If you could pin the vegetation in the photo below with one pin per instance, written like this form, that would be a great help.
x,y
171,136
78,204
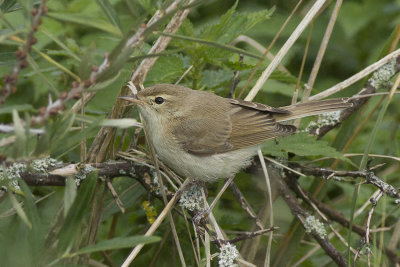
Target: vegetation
x,y
79,186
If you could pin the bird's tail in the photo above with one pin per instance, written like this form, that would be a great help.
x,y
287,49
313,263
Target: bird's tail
x,y
311,108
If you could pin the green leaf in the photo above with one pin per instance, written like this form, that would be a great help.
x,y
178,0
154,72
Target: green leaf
x,y
7,5
61,44
38,71
214,32
21,213
86,21
117,243
101,85
9,109
85,68
214,78
110,12
167,70
6,58
37,232
232,24
55,132
301,144
215,44
70,193
186,28
77,212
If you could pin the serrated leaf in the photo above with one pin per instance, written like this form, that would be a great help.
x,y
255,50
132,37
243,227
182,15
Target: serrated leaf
x,y
301,144
214,31
233,23
214,78
186,28
222,50
167,70
117,243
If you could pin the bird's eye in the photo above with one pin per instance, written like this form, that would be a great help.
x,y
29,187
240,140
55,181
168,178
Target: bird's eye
x,y
159,100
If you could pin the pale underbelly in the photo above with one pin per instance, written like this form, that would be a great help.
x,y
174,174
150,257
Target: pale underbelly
x,y
208,168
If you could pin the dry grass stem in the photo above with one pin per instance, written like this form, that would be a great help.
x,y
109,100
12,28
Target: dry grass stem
x,y
115,196
256,45
321,51
269,47
285,48
224,187
356,77
271,215
284,166
303,62
154,226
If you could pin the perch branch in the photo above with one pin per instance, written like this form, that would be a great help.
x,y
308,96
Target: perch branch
x,y
301,214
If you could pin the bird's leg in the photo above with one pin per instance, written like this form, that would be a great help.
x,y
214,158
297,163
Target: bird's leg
x,y
204,214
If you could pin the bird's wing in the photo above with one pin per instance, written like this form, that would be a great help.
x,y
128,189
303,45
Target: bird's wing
x,y
240,124
252,126
258,106
204,136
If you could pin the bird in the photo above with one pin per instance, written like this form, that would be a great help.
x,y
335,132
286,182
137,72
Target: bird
x,y
206,137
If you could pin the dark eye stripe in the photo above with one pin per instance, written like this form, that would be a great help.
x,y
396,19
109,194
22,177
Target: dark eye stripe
x,y
159,100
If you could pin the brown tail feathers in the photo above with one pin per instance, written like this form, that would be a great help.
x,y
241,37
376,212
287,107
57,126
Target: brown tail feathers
x,y
311,108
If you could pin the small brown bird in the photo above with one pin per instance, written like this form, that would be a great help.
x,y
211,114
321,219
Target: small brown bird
x,y
203,136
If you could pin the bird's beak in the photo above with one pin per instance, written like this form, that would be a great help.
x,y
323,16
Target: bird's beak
x,y
132,99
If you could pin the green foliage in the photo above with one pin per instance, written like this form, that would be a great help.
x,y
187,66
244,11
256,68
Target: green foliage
x,y
116,243
78,210
301,144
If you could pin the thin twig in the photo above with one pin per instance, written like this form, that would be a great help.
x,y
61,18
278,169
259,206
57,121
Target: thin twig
x,y
115,196
245,205
369,177
252,234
